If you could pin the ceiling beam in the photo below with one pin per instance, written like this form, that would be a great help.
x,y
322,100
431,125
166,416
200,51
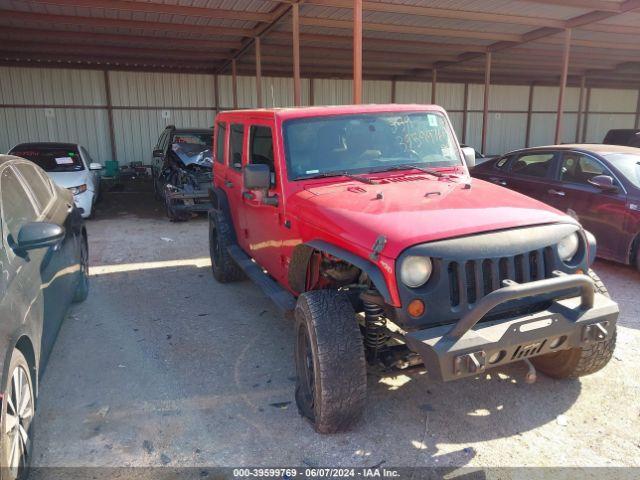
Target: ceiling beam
x,y
373,42
130,41
545,32
407,29
604,5
161,9
101,60
83,21
90,50
432,12
277,14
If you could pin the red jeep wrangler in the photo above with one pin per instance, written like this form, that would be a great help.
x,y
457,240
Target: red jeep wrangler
x,y
364,221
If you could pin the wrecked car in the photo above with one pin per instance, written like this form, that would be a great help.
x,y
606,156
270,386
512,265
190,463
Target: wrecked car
x,y
363,223
181,171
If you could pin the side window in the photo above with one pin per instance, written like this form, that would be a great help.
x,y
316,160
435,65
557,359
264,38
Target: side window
x,y
577,168
40,189
533,165
220,136
261,148
165,141
501,162
17,208
236,137
163,135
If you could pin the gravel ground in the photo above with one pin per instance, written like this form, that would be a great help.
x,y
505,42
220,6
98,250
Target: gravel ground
x,y
163,366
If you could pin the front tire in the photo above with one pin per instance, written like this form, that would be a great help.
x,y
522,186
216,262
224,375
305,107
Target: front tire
x,y
330,363
82,289
18,409
577,362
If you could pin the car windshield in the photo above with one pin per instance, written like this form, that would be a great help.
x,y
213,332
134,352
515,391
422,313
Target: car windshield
x,y
368,142
55,159
628,164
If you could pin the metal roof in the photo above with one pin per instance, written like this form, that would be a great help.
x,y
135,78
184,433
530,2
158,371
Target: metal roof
x,y
403,39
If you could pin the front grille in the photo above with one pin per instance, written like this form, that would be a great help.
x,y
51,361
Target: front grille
x,y
471,280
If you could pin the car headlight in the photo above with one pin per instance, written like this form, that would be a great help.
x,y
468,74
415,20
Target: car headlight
x,y
568,247
415,271
79,189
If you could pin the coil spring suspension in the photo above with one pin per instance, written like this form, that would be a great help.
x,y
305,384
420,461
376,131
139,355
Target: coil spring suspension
x,y
374,322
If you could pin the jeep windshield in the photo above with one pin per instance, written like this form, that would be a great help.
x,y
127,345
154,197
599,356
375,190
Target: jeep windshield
x,y
367,143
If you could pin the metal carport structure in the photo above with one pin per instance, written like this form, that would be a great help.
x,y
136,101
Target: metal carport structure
x,y
476,45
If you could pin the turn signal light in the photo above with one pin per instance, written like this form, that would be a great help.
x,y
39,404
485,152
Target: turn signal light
x,y
416,308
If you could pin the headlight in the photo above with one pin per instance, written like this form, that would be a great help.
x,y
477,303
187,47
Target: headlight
x,y
568,247
415,271
79,189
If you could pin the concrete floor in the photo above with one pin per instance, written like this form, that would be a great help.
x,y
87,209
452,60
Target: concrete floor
x,y
163,366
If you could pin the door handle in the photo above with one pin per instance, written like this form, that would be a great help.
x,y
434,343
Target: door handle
x,y
228,184
248,195
559,193
499,181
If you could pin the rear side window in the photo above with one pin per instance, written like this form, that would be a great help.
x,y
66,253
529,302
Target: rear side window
x,y
533,165
220,136
38,185
54,159
17,208
261,148
236,137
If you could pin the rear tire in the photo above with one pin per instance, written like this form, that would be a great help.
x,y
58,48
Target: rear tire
x,y
577,362
18,410
224,268
330,363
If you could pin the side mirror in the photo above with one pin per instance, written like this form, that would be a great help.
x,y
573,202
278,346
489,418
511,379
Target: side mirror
x,y
604,183
158,153
95,166
256,176
34,235
469,156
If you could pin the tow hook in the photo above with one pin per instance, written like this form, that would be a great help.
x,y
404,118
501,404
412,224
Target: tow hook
x,y
473,362
531,375
596,332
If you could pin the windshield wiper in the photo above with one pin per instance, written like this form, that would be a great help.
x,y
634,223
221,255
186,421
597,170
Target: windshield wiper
x,y
368,181
435,173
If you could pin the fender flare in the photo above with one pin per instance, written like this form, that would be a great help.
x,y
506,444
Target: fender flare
x,y
220,205
372,270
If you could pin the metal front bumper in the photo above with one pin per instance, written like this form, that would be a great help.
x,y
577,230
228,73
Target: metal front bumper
x,y
466,349
197,200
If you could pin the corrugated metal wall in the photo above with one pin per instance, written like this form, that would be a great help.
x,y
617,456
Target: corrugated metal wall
x,y
70,105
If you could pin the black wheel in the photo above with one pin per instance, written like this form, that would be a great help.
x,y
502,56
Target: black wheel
x,y
82,289
637,259
577,362
18,409
330,365
173,214
157,192
224,268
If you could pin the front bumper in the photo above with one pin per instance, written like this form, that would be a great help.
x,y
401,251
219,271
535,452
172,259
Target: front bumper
x,y
469,348
85,201
193,200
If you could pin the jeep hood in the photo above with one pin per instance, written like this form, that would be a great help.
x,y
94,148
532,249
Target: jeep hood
x,y
408,210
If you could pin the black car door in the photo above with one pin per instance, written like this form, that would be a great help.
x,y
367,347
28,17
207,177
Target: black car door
x,y
60,265
22,303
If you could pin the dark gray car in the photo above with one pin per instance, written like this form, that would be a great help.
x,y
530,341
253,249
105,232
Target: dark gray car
x,y
43,258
